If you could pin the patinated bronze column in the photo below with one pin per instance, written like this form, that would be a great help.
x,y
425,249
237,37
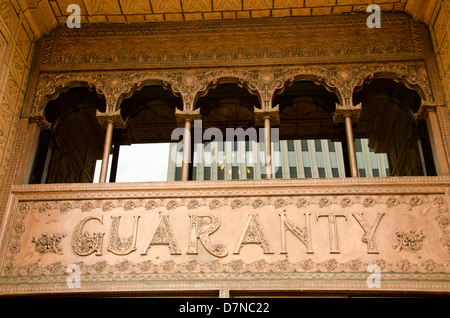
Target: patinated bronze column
x,y
267,117
349,115
267,147
351,144
108,121
35,126
185,119
428,112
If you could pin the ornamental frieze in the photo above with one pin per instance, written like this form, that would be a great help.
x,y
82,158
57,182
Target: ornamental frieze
x,y
232,43
141,235
206,238
190,85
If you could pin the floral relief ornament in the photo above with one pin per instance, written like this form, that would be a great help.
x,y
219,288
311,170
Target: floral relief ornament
x,y
409,241
47,243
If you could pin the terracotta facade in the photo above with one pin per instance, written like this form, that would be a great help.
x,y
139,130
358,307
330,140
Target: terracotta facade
x,y
229,236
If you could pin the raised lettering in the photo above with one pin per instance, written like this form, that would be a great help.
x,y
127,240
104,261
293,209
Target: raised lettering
x,y
369,232
302,233
332,226
118,245
163,236
83,243
254,234
200,228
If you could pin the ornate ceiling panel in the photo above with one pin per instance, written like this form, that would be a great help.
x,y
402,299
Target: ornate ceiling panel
x,y
130,11
45,15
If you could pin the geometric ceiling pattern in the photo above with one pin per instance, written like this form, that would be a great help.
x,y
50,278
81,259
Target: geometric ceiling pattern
x,y
123,11
46,14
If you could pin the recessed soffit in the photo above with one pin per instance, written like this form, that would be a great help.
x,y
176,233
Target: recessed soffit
x,y
45,15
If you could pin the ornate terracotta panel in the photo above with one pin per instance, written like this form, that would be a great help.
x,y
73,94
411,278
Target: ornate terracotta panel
x,y
256,235
251,235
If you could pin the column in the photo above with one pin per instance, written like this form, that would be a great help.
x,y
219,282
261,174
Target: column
x,y
109,121
428,112
186,119
267,147
267,117
35,125
349,115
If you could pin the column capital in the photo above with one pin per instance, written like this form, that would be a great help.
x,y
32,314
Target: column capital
x,y
42,122
425,108
183,115
114,117
261,114
348,110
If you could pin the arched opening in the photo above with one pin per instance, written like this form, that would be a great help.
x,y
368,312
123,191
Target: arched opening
x,y
311,145
225,143
141,151
388,124
68,151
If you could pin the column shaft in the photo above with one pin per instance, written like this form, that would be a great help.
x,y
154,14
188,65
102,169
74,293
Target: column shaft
x,y
106,150
186,150
351,145
268,147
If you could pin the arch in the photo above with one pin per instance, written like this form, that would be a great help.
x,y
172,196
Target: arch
x,y
67,151
306,110
320,77
136,85
226,78
410,78
71,100
51,88
388,120
145,97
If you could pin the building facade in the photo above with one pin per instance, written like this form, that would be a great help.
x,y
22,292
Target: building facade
x,y
298,148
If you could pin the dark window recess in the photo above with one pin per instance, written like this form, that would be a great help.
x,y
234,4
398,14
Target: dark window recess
x,y
177,173
221,173
318,145
250,173
290,145
207,173
335,172
321,172
362,172
304,145
331,146
279,173
308,173
235,173
293,172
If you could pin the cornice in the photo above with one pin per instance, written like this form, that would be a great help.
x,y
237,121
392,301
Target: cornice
x,y
231,188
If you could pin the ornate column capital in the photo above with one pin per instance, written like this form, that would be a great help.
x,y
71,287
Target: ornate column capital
x,y
425,108
348,110
114,117
183,115
42,122
261,114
